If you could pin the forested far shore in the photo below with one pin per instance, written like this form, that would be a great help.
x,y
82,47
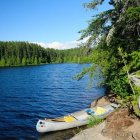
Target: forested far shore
x,y
14,53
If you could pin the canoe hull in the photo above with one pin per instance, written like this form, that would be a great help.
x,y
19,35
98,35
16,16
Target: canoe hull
x,y
82,119
56,126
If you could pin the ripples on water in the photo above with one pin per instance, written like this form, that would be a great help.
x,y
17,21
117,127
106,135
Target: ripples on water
x,y
30,93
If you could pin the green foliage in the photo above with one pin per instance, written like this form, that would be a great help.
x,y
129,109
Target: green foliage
x,y
130,100
84,71
135,101
94,121
138,73
134,64
93,4
116,28
21,53
24,53
132,15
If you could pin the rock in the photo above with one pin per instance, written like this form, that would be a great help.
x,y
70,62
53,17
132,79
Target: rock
x,y
123,136
100,102
105,100
94,103
93,133
136,136
116,122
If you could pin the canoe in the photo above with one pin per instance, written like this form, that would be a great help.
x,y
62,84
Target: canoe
x,y
75,119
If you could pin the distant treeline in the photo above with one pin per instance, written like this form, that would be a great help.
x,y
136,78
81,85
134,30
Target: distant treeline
x,y
25,53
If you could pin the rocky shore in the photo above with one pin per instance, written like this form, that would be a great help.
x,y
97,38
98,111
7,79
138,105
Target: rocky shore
x,y
119,125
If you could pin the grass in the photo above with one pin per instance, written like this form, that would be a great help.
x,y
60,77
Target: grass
x,y
94,121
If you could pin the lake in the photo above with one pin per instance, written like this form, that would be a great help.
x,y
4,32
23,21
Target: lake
x,y
33,92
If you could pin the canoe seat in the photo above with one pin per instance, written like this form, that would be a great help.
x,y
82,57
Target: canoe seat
x,y
100,111
69,118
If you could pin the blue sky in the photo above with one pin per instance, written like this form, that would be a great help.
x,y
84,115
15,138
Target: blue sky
x,y
48,22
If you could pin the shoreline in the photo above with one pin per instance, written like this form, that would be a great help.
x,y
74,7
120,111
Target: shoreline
x,y
119,125
95,131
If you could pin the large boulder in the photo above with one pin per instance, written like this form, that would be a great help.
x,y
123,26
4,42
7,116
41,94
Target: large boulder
x,y
100,102
116,122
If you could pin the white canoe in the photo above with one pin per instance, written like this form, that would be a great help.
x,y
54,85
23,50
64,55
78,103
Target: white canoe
x,y
81,118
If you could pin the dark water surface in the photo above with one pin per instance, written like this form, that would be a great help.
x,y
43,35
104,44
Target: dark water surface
x,y
30,93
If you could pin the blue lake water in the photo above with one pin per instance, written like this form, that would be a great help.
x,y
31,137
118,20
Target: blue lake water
x,y
30,93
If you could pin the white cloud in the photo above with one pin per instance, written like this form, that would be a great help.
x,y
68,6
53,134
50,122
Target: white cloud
x,y
41,44
55,45
58,45
62,45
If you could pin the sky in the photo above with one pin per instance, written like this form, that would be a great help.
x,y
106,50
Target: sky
x,y
50,23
